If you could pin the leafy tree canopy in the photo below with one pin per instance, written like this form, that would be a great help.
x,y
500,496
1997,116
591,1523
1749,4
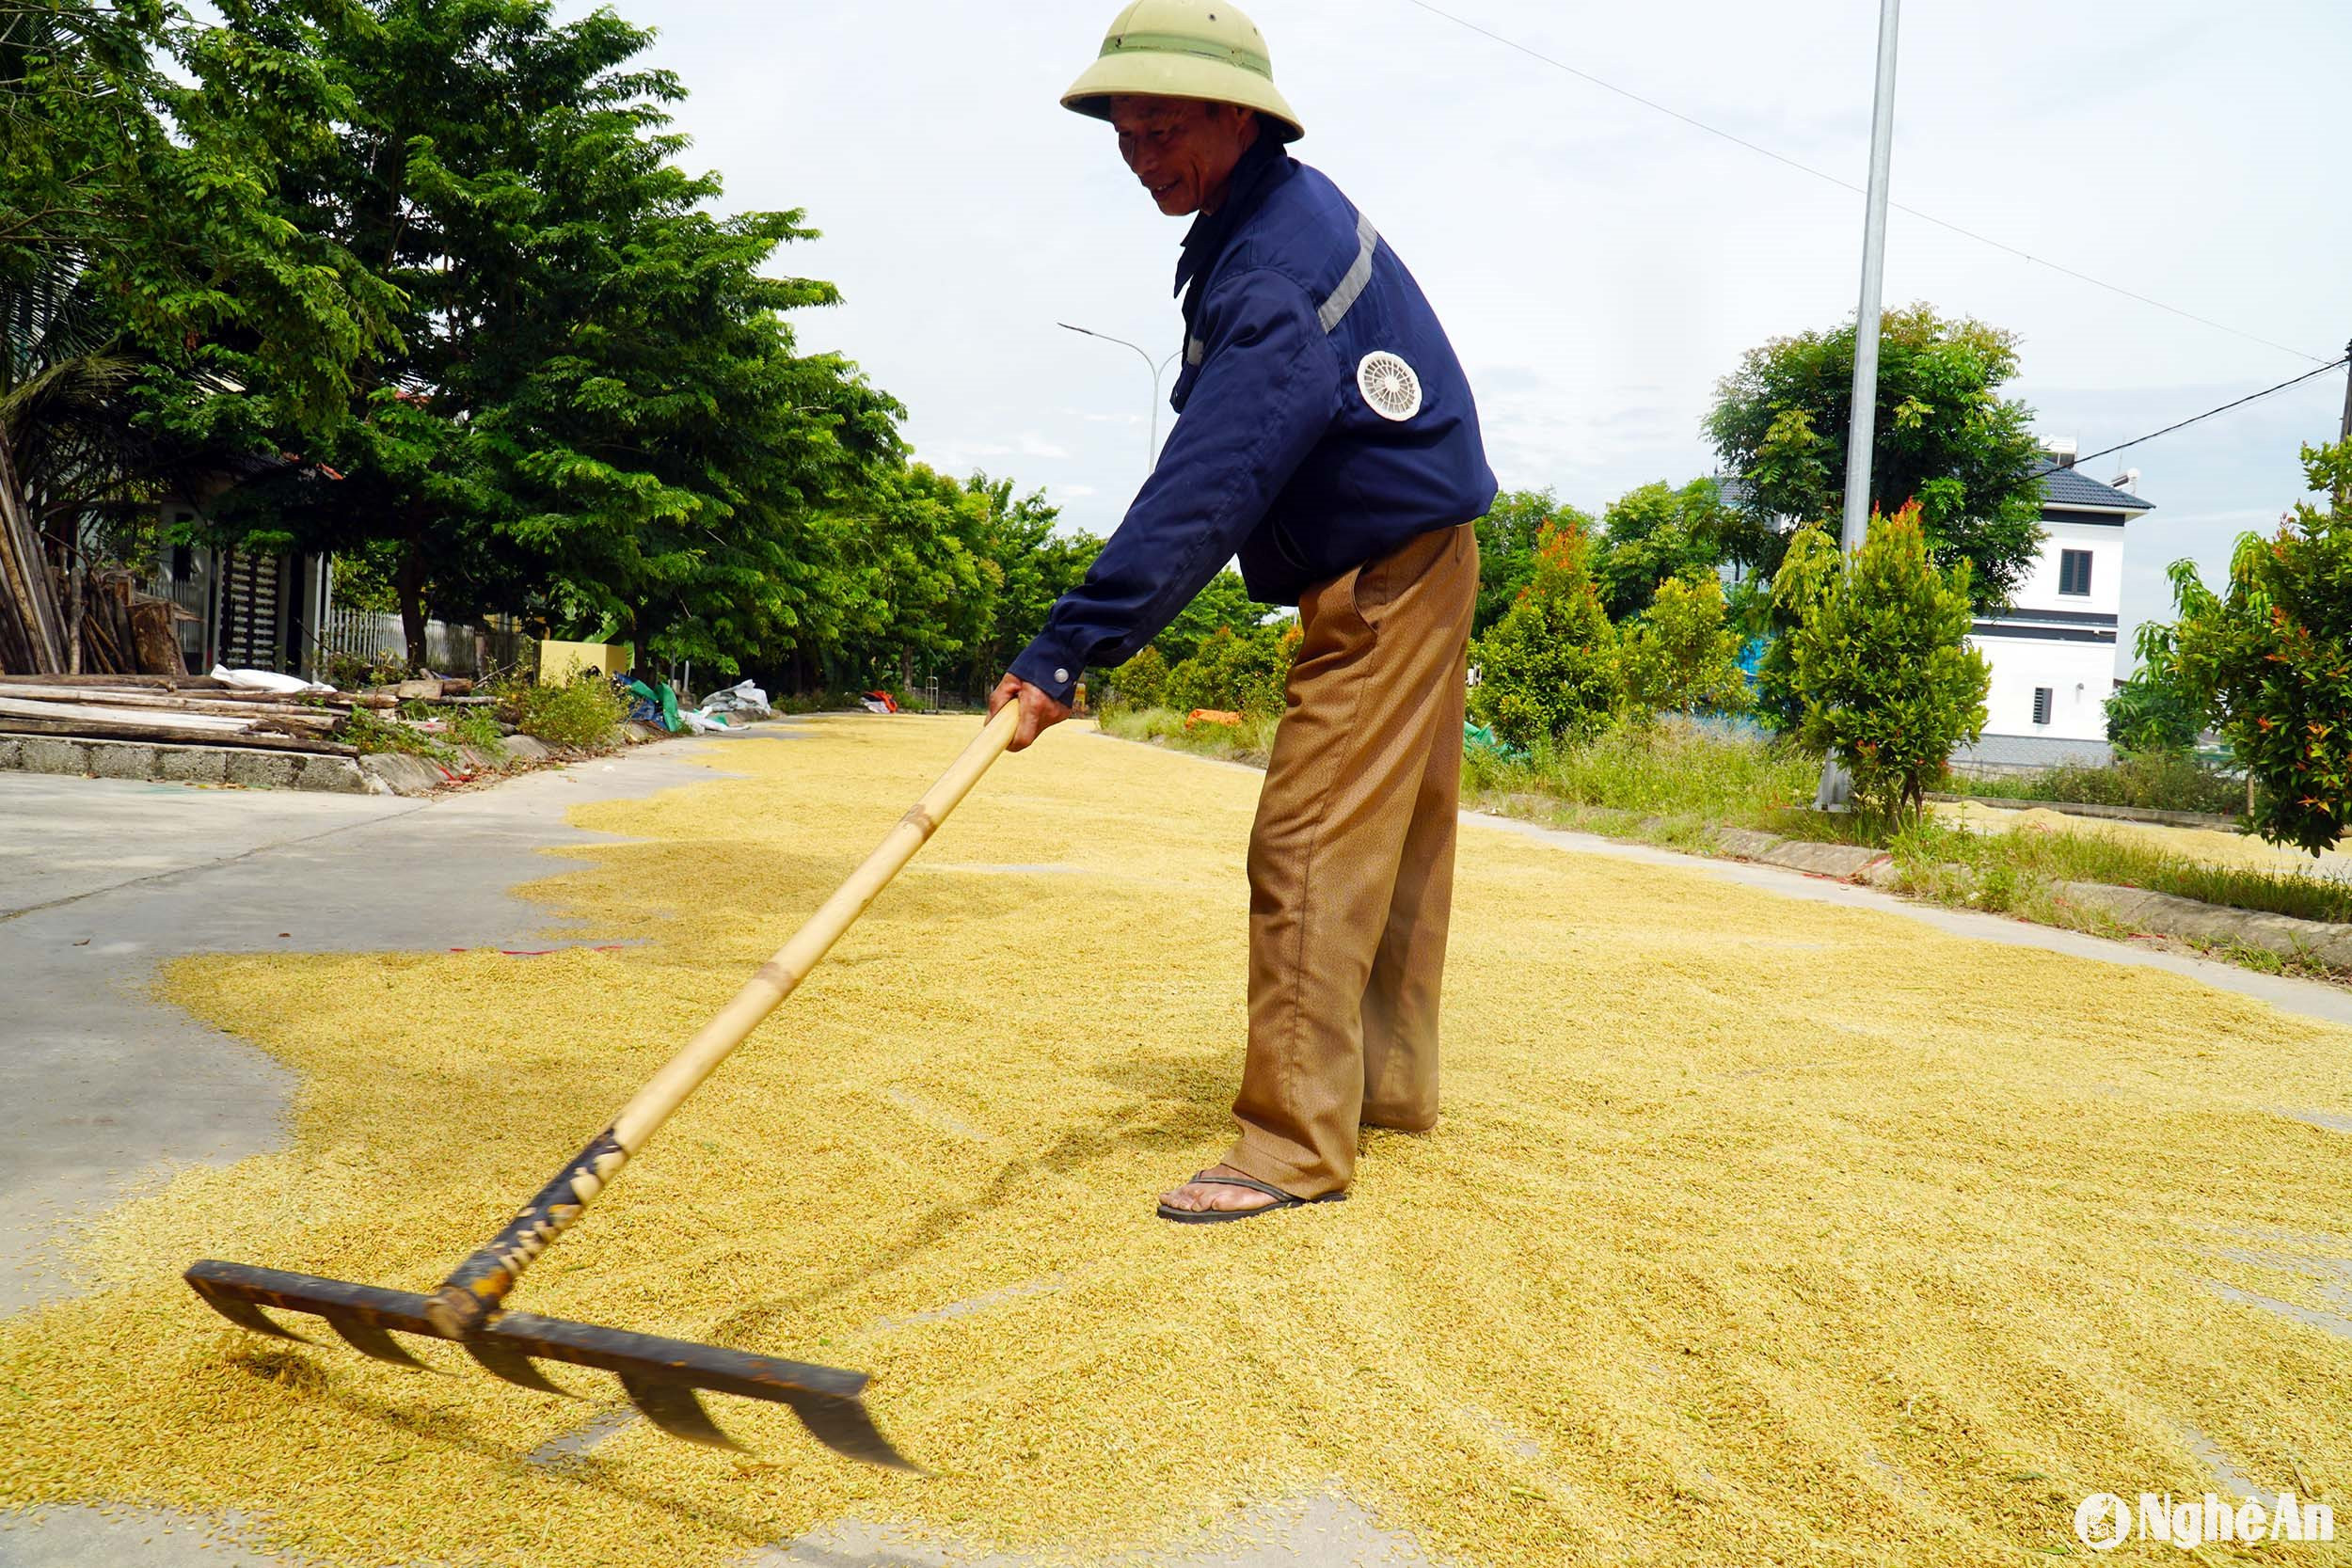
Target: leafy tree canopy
x,y
1223,604
2274,656
1943,437
1507,536
1655,533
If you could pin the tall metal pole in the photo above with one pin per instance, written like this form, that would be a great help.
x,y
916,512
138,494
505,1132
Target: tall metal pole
x,y
1151,439
2344,493
1837,789
1865,338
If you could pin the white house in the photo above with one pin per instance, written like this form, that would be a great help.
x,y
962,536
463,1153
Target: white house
x,y
2052,649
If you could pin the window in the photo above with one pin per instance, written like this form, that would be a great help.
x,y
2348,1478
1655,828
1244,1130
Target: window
x,y
2073,571
2041,698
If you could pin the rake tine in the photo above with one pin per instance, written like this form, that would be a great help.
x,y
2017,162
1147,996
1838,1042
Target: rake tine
x,y
514,1367
367,1339
846,1427
246,1315
674,1409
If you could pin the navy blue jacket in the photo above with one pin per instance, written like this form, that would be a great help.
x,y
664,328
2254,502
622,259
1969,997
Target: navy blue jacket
x,y
1324,422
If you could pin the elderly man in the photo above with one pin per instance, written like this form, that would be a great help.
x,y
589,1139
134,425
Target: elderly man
x,y
1327,437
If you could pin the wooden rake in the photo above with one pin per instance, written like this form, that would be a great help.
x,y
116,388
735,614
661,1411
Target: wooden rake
x,y
664,1378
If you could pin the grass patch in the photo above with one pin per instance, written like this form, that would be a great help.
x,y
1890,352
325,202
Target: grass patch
x,y
2004,870
2144,783
1250,741
372,734
1676,768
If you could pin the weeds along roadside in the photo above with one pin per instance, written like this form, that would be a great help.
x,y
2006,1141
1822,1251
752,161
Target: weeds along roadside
x,y
576,715
1673,784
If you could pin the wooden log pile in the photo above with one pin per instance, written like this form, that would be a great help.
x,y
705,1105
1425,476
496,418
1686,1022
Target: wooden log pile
x,y
103,626
181,709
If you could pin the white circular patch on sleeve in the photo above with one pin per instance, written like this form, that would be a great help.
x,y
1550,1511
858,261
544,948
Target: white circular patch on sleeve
x,y
1389,384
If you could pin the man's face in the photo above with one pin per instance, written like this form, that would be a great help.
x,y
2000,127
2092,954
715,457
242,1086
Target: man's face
x,y
1182,149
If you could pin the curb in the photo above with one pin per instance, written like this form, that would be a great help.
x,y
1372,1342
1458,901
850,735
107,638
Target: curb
x,y
378,773
2169,916
66,756
1847,863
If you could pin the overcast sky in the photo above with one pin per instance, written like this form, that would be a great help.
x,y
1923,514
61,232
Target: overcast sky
x,y
1599,265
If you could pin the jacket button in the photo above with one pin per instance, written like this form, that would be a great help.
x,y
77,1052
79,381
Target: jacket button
x,y
1061,675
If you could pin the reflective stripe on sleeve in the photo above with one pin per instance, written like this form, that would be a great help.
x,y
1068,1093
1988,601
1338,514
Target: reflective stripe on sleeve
x,y
1356,277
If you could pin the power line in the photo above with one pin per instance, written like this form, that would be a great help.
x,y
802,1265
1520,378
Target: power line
x,y
2308,375
1803,168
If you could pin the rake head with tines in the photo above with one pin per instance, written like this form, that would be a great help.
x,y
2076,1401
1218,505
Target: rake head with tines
x,y
664,1378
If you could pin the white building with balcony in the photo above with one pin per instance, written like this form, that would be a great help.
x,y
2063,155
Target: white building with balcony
x,y
2052,649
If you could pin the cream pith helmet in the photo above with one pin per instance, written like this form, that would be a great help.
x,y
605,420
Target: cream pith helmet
x,y
1204,49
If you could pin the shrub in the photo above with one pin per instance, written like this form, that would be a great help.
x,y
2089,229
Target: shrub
x,y
1880,664
1242,672
1680,654
2275,656
580,713
1548,669
1805,576
1140,682
2159,710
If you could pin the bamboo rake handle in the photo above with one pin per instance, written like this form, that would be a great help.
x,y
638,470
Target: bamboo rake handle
x,y
476,1286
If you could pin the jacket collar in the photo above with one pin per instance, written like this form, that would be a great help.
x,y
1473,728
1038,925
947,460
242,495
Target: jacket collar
x,y
1204,242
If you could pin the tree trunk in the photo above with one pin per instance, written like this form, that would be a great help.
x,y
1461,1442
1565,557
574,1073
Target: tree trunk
x,y
408,582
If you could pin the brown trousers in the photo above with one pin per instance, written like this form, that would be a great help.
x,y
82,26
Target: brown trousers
x,y
1351,866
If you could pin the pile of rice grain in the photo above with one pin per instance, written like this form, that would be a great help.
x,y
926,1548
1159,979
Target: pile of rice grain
x,y
1756,1230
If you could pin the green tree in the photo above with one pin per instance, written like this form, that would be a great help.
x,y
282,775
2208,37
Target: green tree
x,y
1943,436
1881,661
1548,669
596,402
160,320
1655,532
2157,711
1030,564
2274,655
1681,654
1142,681
1508,538
1806,575
1238,671
1223,604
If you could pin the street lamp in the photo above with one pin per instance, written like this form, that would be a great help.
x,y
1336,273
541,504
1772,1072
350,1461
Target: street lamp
x,y
1151,447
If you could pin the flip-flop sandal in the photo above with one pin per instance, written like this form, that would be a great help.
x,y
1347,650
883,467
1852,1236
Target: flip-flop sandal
x,y
1218,1216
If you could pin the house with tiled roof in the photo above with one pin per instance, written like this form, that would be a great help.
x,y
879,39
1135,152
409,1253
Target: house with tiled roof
x,y
2053,648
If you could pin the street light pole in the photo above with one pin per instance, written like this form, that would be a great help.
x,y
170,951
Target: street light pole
x,y
1836,788
1860,431
1152,440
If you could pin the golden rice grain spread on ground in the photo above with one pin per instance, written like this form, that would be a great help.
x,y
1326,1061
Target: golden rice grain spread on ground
x,y
1756,1231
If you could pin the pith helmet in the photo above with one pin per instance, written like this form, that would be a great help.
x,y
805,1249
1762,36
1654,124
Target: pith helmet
x,y
1204,49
